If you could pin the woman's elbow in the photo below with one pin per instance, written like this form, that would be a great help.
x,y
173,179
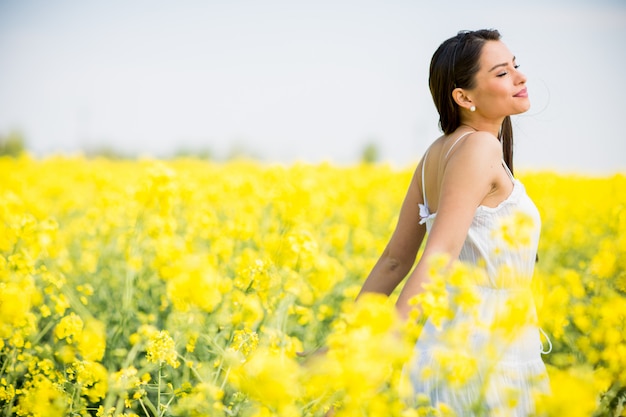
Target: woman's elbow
x,y
397,264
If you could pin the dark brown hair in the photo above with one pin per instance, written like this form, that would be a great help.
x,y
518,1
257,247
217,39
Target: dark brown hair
x,y
454,65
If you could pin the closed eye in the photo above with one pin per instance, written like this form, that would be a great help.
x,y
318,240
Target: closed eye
x,y
503,73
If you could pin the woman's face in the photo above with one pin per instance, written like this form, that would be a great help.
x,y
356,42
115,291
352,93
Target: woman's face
x,y
500,88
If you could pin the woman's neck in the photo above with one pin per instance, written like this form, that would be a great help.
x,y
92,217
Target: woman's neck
x,y
477,124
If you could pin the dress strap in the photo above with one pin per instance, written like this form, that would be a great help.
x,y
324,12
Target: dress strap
x,y
424,164
506,167
423,183
544,352
457,141
508,171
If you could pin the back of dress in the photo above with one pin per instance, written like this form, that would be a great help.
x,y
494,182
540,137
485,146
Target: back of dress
x,y
497,342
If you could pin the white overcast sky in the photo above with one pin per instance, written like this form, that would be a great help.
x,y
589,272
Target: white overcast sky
x,y
295,80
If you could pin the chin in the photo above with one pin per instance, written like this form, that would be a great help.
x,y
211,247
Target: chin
x,y
522,109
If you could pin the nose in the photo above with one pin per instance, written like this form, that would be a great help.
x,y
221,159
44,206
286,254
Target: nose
x,y
521,78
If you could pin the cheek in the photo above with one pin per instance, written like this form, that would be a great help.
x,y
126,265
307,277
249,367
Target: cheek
x,y
497,90
495,87
490,98
491,92
495,98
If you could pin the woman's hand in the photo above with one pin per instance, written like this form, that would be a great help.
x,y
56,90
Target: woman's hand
x,y
312,354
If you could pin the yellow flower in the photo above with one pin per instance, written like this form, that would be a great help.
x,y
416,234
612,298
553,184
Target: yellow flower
x,y
245,341
162,349
197,285
326,273
105,412
515,231
574,394
247,309
191,341
7,391
458,366
435,301
270,378
16,300
91,342
204,399
238,255
301,248
283,343
92,378
61,303
42,398
367,331
604,264
69,328
517,312
65,354
125,379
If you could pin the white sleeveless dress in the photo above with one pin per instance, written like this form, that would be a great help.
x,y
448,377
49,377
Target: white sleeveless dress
x,y
484,369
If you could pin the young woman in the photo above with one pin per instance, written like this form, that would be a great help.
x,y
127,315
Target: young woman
x,y
462,191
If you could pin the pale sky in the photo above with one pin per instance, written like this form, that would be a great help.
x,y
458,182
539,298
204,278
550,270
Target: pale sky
x,y
301,80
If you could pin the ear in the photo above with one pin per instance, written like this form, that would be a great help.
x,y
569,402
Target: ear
x,y
461,98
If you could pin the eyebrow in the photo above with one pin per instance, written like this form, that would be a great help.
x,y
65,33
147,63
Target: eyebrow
x,y
501,65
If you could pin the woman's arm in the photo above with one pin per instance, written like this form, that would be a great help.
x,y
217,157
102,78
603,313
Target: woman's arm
x,y
471,174
399,254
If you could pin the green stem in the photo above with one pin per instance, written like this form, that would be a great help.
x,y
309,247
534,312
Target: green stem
x,y
218,372
129,292
119,406
9,409
143,406
159,389
10,356
72,399
168,403
191,368
41,334
225,378
132,353
152,407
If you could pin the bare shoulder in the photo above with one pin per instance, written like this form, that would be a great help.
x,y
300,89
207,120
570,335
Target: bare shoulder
x,y
481,141
479,149
434,149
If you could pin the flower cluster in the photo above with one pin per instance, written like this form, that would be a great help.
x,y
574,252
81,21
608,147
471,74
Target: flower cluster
x,y
189,288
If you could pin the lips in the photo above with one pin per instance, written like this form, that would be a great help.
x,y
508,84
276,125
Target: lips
x,y
522,93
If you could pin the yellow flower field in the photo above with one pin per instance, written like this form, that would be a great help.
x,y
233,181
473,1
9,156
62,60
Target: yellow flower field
x,y
191,288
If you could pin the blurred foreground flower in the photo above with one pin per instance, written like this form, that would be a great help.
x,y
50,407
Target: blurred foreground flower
x,y
162,349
